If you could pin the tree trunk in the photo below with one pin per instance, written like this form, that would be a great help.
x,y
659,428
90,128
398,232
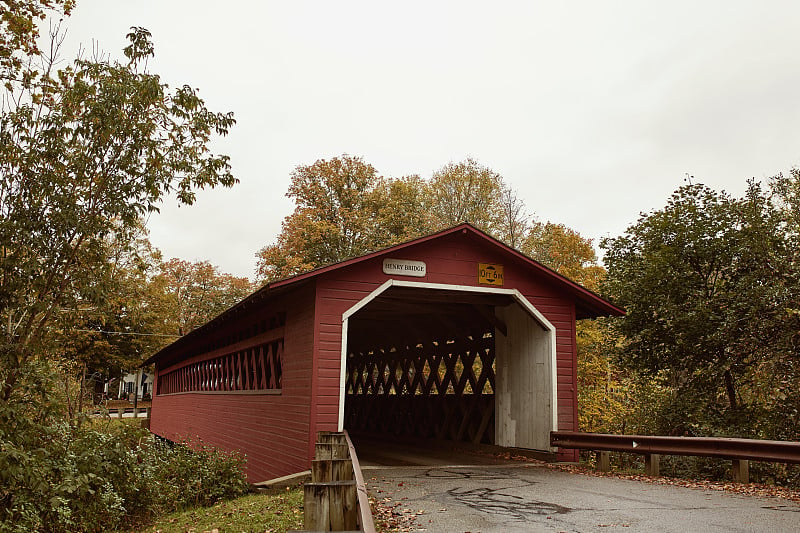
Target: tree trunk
x,y
730,389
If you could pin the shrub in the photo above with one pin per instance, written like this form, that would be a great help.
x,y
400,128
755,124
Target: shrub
x,y
187,475
62,477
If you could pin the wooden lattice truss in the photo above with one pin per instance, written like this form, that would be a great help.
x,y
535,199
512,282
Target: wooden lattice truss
x,y
254,364
439,389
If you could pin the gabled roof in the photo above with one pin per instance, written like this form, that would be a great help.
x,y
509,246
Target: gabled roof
x,y
587,303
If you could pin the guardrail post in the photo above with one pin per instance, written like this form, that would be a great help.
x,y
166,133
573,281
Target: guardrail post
x,y
741,470
331,470
331,451
651,464
336,498
331,437
330,506
119,412
603,461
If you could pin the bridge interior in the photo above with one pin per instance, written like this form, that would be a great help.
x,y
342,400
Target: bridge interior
x,y
422,365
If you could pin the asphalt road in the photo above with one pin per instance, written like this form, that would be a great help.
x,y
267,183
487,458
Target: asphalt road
x,y
530,497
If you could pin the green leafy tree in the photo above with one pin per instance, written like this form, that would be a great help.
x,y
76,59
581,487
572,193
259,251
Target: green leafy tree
x,y
101,340
84,153
706,282
772,385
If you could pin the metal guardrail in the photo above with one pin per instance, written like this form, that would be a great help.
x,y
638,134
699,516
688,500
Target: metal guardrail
x,y
724,448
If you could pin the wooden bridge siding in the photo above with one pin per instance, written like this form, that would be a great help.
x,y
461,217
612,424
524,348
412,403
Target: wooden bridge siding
x,y
270,429
335,295
448,261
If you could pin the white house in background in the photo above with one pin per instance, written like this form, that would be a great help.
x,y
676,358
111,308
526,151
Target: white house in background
x,y
127,385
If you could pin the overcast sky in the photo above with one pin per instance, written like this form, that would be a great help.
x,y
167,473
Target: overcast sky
x,y
592,111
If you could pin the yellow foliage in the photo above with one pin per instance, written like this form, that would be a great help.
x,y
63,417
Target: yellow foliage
x,y
605,394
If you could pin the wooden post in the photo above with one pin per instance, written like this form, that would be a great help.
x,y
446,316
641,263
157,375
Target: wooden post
x,y
330,437
120,410
316,507
604,461
136,393
651,464
331,451
330,506
741,470
331,470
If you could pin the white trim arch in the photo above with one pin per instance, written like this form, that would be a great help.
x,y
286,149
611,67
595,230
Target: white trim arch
x,y
519,298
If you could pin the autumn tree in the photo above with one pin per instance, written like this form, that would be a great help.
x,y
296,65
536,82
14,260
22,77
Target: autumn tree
x,y
196,292
147,304
344,208
607,392
565,251
604,389
85,151
99,340
514,219
112,334
466,192
402,209
19,33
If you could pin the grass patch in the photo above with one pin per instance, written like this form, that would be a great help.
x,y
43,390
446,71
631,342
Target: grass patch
x,y
108,424
274,511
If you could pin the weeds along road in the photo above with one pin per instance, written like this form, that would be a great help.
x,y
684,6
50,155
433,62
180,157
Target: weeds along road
x,y
531,497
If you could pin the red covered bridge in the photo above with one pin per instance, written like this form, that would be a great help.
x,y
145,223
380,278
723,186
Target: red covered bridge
x,y
454,336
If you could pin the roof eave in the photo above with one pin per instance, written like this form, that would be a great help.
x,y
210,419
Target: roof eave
x,y
586,299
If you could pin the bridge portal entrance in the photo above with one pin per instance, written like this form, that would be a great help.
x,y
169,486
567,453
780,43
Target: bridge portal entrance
x,y
449,363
